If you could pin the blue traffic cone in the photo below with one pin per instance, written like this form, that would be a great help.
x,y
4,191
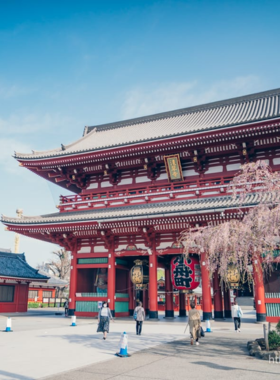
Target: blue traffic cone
x,y
208,326
123,346
73,320
9,325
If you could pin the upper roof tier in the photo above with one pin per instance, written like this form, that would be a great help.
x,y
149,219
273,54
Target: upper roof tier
x,y
191,120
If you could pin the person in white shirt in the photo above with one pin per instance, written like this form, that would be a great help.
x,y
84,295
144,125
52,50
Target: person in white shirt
x,y
236,313
104,317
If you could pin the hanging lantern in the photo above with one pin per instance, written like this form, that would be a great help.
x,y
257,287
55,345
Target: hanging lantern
x,y
233,276
139,274
185,272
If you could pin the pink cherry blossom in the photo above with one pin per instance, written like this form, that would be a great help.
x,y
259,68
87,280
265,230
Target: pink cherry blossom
x,y
254,233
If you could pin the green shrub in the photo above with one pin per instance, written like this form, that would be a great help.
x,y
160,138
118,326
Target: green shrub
x,y
273,340
33,305
47,305
278,327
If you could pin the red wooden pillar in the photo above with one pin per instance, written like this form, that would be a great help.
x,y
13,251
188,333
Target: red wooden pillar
x,y
217,291
145,301
73,283
227,303
259,290
40,295
153,307
206,288
169,310
16,296
131,294
111,281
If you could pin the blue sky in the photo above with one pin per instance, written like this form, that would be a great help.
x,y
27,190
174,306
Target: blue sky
x,y
67,64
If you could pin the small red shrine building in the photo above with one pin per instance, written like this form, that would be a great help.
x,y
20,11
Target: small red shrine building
x,y
15,277
39,292
137,184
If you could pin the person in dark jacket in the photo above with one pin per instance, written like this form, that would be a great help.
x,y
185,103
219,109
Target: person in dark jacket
x,y
66,307
104,318
139,316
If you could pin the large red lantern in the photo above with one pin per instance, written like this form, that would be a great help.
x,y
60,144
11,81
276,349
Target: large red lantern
x,y
185,272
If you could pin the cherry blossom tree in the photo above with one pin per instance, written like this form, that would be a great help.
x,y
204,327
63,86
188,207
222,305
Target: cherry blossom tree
x,y
254,234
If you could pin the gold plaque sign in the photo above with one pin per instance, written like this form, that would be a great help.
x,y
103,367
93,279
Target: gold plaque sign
x,y
173,168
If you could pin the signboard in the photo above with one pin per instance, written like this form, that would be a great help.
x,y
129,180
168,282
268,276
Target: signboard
x,y
173,168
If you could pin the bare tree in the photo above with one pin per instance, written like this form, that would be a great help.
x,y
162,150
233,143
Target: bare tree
x,y
60,267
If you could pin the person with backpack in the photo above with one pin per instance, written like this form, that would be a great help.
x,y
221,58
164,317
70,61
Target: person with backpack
x,y
236,313
139,317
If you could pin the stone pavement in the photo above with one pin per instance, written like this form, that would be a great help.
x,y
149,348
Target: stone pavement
x,y
217,357
44,345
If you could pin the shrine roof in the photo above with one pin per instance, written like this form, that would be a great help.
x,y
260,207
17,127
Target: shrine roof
x,y
53,281
192,120
14,265
171,208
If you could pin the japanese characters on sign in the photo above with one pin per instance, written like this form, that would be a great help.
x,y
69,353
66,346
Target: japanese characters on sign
x,y
173,168
185,273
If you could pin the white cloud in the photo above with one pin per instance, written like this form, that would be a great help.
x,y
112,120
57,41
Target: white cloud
x,y
7,147
144,101
14,90
25,123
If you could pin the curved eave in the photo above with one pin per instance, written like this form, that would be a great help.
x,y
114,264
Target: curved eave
x,y
22,157
26,279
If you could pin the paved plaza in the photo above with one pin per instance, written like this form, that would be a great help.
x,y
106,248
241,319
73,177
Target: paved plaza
x,y
44,345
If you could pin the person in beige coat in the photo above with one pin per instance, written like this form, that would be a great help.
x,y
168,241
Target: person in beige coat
x,y
194,324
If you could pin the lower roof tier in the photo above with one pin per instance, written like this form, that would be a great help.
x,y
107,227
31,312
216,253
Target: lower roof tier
x,y
164,209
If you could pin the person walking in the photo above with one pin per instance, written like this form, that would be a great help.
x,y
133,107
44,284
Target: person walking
x,y
139,316
66,308
194,324
104,317
236,313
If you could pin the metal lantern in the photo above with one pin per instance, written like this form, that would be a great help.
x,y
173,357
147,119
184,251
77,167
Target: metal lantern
x,y
233,276
139,274
185,272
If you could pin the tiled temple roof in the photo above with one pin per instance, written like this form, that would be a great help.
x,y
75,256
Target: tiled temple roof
x,y
13,265
204,205
53,281
217,115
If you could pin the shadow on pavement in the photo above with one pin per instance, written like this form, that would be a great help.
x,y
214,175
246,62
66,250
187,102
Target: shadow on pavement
x,y
14,376
226,368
